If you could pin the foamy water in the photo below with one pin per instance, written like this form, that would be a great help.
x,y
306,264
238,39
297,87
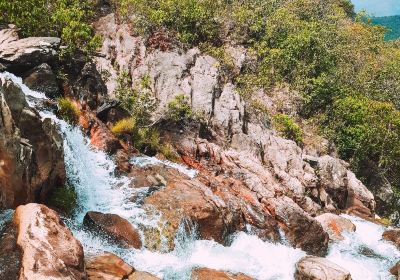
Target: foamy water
x,y
92,174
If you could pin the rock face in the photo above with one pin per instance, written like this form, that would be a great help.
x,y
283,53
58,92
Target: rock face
x,y
48,248
41,78
313,268
10,256
211,274
31,151
107,267
115,226
18,55
392,235
335,225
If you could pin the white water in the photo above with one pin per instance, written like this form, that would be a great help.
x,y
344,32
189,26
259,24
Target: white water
x,y
91,172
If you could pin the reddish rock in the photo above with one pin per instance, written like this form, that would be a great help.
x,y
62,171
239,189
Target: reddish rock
x,y
107,267
115,226
392,235
335,225
314,268
300,228
48,248
140,275
395,270
211,274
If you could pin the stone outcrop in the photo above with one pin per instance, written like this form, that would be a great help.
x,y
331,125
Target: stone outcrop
x,y
114,226
48,248
31,150
42,79
313,268
211,274
335,225
18,55
392,235
107,267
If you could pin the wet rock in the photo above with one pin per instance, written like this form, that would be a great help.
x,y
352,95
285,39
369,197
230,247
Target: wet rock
x,y
107,267
300,228
19,55
392,235
114,226
395,270
31,151
100,135
314,268
41,78
141,275
190,200
335,225
48,248
10,256
211,274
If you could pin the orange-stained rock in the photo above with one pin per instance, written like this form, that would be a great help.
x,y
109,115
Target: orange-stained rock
x,y
211,274
48,248
140,275
107,267
392,235
113,225
335,225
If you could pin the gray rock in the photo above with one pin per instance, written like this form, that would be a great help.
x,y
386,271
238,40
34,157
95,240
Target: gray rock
x,y
314,268
41,78
22,54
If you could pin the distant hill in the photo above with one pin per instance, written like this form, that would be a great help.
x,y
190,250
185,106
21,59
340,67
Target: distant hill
x,y
392,23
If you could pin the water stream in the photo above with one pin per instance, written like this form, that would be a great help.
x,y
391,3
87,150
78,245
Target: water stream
x,y
92,174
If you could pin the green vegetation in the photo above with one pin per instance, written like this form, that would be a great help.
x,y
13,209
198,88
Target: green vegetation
x,y
67,19
124,127
288,128
179,109
68,110
348,74
392,23
64,199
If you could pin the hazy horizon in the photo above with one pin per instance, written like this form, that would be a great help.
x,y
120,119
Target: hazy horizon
x,y
378,7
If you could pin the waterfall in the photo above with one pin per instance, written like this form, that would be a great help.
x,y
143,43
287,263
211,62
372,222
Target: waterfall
x,y
92,174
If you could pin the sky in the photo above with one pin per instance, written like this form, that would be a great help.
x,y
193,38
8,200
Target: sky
x,y
378,7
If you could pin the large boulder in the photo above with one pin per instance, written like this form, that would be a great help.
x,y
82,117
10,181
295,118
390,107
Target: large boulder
x,y
42,79
18,55
114,226
335,225
392,235
31,150
314,268
211,274
300,228
141,275
48,248
107,267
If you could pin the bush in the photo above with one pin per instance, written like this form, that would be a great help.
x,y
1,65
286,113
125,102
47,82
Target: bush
x,y
64,199
124,127
366,132
288,128
68,110
179,109
67,19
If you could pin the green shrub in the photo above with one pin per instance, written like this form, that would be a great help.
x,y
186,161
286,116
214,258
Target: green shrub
x,y
124,127
288,128
67,19
68,110
179,109
366,132
64,199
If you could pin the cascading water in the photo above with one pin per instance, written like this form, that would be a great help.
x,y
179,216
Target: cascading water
x,y
91,173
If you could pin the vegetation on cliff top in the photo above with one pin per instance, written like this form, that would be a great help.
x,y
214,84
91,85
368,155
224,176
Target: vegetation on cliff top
x,y
348,74
67,19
